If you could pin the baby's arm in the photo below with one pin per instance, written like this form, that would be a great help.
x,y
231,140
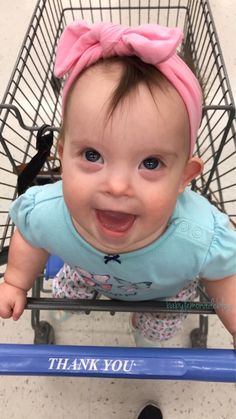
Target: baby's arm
x,y
223,294
24,265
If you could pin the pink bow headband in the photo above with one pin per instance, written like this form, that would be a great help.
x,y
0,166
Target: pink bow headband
x,y
81,45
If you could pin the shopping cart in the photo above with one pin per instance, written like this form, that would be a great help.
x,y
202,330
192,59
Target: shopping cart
x,y
30,116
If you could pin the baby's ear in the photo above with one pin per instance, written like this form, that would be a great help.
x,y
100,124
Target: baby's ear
x,y
193,168
60,147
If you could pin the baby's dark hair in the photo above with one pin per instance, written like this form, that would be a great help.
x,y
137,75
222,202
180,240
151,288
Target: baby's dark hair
x,y
134,72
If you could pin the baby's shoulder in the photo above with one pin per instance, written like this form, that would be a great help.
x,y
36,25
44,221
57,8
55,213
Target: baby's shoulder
x,y
196,209
38,202
43,194
38,211
199,223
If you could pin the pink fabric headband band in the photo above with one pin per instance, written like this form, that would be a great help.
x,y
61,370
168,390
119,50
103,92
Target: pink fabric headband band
x,y
81,45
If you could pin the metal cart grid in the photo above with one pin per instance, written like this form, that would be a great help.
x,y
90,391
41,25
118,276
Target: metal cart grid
x,y
32,97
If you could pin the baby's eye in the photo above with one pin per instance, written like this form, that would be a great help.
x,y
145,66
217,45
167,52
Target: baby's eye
x,y
151,163
92,155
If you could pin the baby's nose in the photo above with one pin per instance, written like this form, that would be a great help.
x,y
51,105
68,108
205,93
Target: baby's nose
x,y
119,184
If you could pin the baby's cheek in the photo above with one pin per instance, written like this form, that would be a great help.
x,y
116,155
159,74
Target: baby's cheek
x,y
161,206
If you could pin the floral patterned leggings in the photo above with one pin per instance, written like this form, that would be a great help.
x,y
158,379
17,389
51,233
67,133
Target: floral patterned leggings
x,y
155,327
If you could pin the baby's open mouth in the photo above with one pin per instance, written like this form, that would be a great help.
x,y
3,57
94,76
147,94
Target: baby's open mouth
x,y
115,221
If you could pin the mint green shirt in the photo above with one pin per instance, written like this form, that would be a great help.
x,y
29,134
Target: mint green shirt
x,y
198,242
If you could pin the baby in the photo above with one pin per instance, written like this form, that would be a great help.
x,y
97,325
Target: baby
x,y
122,218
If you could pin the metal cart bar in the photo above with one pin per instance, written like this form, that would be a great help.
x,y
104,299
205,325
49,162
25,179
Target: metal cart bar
x,y
191,307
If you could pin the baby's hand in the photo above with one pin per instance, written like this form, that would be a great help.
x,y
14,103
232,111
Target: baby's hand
x,y
12,301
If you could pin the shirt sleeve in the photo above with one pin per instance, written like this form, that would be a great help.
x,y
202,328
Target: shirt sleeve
x,y
220,261
21,212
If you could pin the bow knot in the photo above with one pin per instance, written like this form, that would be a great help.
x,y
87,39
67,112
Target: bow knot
x,y
85,44
115,258
108,38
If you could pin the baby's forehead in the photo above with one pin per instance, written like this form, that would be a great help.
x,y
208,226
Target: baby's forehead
x,y
107,75
108,89
160,106
103,70
110,73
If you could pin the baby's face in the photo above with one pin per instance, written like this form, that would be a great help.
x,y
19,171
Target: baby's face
x,y
122,176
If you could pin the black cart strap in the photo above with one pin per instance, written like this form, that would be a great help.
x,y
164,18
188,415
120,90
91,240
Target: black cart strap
x,y
43,144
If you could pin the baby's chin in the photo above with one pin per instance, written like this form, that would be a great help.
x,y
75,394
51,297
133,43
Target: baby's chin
x,y
121,245
116,242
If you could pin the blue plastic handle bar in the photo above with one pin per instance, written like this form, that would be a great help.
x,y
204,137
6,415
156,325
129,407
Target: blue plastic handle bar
x,y
109,362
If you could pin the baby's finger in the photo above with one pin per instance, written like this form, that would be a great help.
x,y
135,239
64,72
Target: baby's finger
x,y
5,311
18,308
